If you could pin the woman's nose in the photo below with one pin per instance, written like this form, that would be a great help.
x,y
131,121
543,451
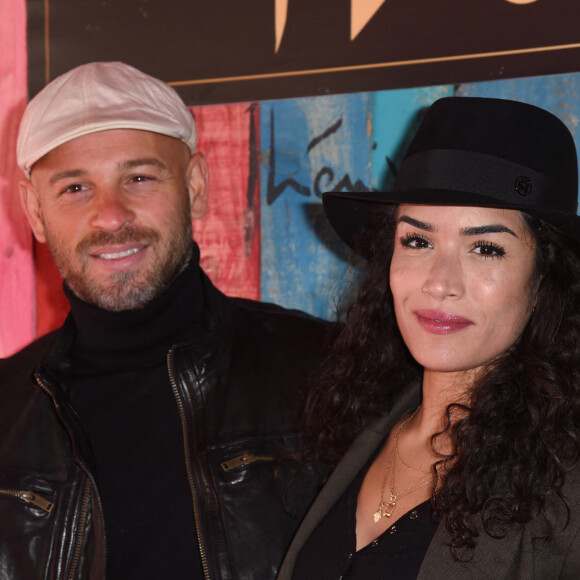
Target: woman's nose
x,y
445,277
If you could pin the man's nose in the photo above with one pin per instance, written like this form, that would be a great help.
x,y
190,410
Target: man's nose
x,y
111,210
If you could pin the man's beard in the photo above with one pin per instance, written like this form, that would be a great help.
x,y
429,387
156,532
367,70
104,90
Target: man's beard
x,y
126,290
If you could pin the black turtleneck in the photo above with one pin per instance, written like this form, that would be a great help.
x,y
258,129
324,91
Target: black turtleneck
x,y
120,388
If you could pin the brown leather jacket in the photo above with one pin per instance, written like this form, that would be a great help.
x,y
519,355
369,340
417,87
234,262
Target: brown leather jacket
x,y
248,492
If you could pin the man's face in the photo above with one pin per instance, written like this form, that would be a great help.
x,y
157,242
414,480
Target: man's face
x,y
115,208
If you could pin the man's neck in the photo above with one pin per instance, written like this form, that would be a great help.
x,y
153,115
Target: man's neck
x,y
116,340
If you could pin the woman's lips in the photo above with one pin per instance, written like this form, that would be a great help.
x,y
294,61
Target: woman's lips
x,y
440,322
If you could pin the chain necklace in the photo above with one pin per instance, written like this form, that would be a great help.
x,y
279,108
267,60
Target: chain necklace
x,y
397,447
386,508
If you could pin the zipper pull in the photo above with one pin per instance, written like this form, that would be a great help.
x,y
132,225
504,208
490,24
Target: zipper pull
x,y
36,500
243,460
239,461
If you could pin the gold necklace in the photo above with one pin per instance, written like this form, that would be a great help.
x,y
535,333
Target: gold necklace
x,y
397,447
386,508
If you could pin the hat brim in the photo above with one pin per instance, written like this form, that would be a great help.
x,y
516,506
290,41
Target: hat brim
x,y
350,213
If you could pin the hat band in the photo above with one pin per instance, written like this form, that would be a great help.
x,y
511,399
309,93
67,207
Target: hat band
x,y
471,172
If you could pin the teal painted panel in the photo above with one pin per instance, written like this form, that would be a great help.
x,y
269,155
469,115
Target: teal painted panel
x,y
559,94
309,146
395,119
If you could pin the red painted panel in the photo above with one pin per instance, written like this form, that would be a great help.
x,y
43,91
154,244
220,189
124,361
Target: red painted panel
x,y
16,262
228,235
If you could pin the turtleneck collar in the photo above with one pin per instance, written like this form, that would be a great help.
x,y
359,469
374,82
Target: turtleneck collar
x,y
117,341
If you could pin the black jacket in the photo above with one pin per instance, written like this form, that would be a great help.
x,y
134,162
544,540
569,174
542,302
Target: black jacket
x,y
239,393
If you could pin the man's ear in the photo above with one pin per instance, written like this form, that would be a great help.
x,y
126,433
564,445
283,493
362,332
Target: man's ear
x,y
32,209
197,175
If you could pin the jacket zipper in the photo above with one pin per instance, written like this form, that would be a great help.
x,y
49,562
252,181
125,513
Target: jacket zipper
x,y
30,498
82,522
85,504
243,460
188,467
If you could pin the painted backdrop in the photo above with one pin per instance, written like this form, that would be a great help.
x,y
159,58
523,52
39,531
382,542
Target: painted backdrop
x,y
265,236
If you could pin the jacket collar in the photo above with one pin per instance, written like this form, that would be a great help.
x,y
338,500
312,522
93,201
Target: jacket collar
x,y
200,355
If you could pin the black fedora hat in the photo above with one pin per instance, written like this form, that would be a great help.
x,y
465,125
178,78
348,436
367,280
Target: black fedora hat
x,y
478,152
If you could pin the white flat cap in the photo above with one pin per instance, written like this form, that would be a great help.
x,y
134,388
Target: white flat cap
x,y
97,97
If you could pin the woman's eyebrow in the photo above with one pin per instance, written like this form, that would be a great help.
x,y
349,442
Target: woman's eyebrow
x,y
490,229
470,231
416,223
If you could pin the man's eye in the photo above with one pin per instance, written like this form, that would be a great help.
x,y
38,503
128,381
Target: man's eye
x,y
74,188
140,178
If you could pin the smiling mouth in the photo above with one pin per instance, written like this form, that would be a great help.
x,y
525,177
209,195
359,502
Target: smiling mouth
x,y
437,322
118,255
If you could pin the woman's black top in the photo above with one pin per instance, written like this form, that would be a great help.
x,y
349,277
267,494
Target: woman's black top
x,y
330,552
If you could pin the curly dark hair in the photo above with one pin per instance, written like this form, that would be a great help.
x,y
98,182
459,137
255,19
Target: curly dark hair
x,y
514,443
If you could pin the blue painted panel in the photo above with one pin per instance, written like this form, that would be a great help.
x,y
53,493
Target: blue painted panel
x,y
559,94
395,118
309,146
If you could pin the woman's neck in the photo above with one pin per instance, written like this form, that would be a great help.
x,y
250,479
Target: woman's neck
x,y
439,391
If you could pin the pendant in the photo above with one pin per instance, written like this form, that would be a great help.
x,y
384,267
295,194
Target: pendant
x,y
390,506
386,509
379,513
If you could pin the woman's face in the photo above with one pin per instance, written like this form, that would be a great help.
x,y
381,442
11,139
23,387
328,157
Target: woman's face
x,y
461,281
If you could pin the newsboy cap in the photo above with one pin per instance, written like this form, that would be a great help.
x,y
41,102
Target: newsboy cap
x,y
99,96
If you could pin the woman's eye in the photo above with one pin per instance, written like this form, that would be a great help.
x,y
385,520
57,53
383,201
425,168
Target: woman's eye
x,y
489,250
415,241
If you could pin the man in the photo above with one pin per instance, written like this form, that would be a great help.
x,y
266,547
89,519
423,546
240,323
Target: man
x,y
153,435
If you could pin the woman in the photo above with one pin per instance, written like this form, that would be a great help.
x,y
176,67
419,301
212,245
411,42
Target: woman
x,y
452,392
